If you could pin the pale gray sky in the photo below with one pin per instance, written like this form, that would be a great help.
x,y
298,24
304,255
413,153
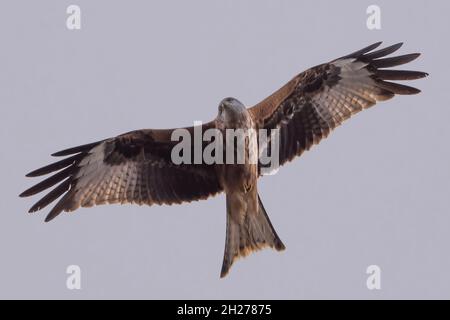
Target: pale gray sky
x,y
375,192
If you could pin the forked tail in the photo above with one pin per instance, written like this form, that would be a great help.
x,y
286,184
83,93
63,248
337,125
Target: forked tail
x,y
247,232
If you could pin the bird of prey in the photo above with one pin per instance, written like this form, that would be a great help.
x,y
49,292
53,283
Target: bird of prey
x,y
137,167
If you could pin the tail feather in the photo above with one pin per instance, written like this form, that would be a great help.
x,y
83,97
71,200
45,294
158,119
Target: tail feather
x,y
254,232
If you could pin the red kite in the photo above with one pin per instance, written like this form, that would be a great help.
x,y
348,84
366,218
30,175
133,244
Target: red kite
x,y
137,167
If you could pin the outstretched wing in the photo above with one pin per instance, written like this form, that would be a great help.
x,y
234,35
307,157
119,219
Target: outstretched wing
x,y
318,100
132,168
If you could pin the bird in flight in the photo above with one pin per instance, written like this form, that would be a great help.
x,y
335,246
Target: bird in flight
x,y
138,167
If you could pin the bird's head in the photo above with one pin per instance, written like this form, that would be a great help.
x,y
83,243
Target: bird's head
x,y
232,111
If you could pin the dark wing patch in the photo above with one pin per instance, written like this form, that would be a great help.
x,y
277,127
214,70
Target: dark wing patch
x,y
318,100
132,168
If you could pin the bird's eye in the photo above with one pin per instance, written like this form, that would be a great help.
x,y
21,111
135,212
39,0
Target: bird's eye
x,y
221,108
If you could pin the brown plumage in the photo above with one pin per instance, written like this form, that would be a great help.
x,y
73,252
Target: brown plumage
x,y
137,167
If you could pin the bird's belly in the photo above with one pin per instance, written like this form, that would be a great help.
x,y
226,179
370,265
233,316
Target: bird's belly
x,y
239,177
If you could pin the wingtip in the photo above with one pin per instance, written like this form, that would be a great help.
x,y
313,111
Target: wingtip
x,y
397,46
35,173
33,210
374,46
58,154
32,174
24,194
413,56
76,150
411,91
62,153
52,215
55,212
423,75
